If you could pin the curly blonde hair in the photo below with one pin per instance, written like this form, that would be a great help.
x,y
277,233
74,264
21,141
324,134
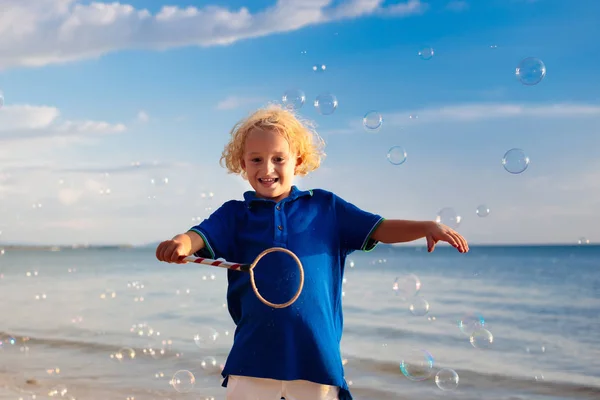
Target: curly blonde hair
x,y
300,134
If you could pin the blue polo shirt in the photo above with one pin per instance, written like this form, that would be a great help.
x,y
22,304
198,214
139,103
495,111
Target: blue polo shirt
x,y
301,341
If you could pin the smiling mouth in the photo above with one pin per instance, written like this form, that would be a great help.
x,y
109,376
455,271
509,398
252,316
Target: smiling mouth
x,y
268,180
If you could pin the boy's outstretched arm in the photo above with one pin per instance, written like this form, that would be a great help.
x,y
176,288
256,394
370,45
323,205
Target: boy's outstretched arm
x,y
182,245
400,231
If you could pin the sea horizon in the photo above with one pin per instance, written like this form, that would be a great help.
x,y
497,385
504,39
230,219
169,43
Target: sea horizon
x,y
64,246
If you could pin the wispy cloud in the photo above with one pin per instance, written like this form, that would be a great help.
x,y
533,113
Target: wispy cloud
x,y
142,117
233,102
473,112
23,122
489,111
40,32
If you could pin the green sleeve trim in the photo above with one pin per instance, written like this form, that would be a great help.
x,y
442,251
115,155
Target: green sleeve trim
x,y
206,244
369,244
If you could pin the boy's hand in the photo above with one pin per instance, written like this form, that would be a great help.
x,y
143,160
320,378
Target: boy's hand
x,y
437,232
172,251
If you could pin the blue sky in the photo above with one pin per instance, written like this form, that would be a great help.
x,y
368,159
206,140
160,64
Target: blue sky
x,y
91,88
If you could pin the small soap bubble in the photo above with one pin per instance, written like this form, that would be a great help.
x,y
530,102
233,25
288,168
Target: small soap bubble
x,y
446,379
183,381
417,364
396,155
539,377
293,99
326,103
482,211
482,339
6,341
143,329
123,354
418,306
530,71
583,240
515,161
448,217
319,67
407,286
537,349
471,323
209,364
206,337
159,181
372,121
426,53
1,100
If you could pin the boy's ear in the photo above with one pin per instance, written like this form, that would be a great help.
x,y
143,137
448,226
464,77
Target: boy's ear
x,y
243,164
299,162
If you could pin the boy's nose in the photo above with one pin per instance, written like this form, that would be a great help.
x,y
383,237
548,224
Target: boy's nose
x,y
269,167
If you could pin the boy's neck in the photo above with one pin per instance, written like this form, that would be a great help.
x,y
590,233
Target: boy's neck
x,y
284,195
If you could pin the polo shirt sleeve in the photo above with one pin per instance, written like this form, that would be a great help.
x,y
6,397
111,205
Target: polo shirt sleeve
x,y
355,226
217,232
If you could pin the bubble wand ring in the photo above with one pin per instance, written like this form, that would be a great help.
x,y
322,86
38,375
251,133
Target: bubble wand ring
x,y
250,268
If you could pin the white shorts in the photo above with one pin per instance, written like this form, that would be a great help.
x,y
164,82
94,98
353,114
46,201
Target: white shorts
x,y
248,388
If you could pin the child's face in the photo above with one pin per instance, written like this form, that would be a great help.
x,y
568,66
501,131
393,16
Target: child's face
x,y
269,163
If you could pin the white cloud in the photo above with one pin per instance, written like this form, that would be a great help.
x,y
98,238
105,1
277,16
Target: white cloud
x,y
482,111
142,117
409,8
233,102
32,141
471,112
27,117
22,122
41,32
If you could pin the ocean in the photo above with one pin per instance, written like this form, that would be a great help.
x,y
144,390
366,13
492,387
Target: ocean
x,y
118,324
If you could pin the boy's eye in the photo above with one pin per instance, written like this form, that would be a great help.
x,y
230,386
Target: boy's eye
x,y
279,159
255,160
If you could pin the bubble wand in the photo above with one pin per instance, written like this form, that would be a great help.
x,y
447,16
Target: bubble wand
x,y
250,268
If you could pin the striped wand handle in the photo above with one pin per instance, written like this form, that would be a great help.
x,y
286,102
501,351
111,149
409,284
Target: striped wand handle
x,y
217,263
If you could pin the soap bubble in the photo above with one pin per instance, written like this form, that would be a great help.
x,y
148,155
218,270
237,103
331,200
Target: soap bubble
x,y
372,121
417,364
446,379
183,381
319,67
482,339
515,161
530,71
448,217
293,99
426,53
206,337
396,155
124,354
407,286
583,240
1,100
482,211
326,103
418,306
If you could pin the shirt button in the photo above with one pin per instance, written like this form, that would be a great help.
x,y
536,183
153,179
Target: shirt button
x,y
280,227
279,207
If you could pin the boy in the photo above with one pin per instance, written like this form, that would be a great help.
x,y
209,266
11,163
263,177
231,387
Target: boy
x,y
292,352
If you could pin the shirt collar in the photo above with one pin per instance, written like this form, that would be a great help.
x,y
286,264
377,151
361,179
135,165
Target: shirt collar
x,y
250,196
